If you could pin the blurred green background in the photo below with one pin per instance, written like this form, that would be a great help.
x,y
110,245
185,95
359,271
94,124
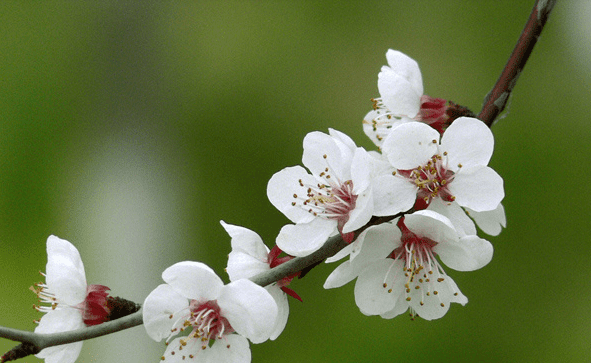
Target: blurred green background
x,y
132,128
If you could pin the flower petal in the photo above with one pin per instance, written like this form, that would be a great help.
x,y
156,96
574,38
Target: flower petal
x,y
411,145
247,241
64,273
304,238
249,308
233,349
323,151
468,254
193,280
491,222
371,296
282,187
401,84
468,141
426,223
242,265
461,222
282,310
392,195
60,320
479,188
407,67
162,303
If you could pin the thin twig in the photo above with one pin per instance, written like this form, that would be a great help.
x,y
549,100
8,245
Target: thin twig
x,y
496,100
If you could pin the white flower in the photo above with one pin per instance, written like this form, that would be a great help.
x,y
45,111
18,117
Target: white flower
x,y
412,278
250,257
453,170
219,317
73,304
336,196
401,86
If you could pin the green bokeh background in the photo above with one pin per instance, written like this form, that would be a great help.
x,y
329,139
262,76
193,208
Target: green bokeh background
x,y
132,128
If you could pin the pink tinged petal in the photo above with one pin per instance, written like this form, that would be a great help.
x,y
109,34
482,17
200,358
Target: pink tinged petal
x,y
232,348
282,187
247,241
411,145
468,254
249,308
461,222
162,303
407,67
468,141
60,320
282,310
392,194
193,280
243,266
304,238
491,222
479,188
371,296
426,223
338,156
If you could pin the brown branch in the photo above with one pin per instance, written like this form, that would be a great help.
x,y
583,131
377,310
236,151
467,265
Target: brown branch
x,y
496,100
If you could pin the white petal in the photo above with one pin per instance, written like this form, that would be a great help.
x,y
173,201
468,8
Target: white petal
x,y
392,194
247,241
479,188
242,265
282,310
426,223
468,141
64,273
371,296
468,254
304,238
173,354
193,280
407,67
491,222
60,320
400,307
340,276
362,168
346,251
342,137
432,304
158,308
462,223
282,187
338,158
410,145
233,348
376,242
362,213
249,308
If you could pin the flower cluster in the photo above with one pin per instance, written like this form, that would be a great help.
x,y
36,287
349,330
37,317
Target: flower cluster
x,y
404,211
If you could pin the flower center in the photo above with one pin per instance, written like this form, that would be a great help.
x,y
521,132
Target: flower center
x,y
432,179
422,272
94,308
332,200
205,321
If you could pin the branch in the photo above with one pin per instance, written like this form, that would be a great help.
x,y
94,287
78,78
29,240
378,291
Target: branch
x,y
496,100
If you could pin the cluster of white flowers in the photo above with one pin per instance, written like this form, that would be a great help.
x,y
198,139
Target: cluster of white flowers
x,y
404,211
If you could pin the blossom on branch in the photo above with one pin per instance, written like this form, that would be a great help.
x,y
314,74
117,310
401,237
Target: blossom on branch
x,y
411,277
334,197
454,169
72,303
219,318
249,257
